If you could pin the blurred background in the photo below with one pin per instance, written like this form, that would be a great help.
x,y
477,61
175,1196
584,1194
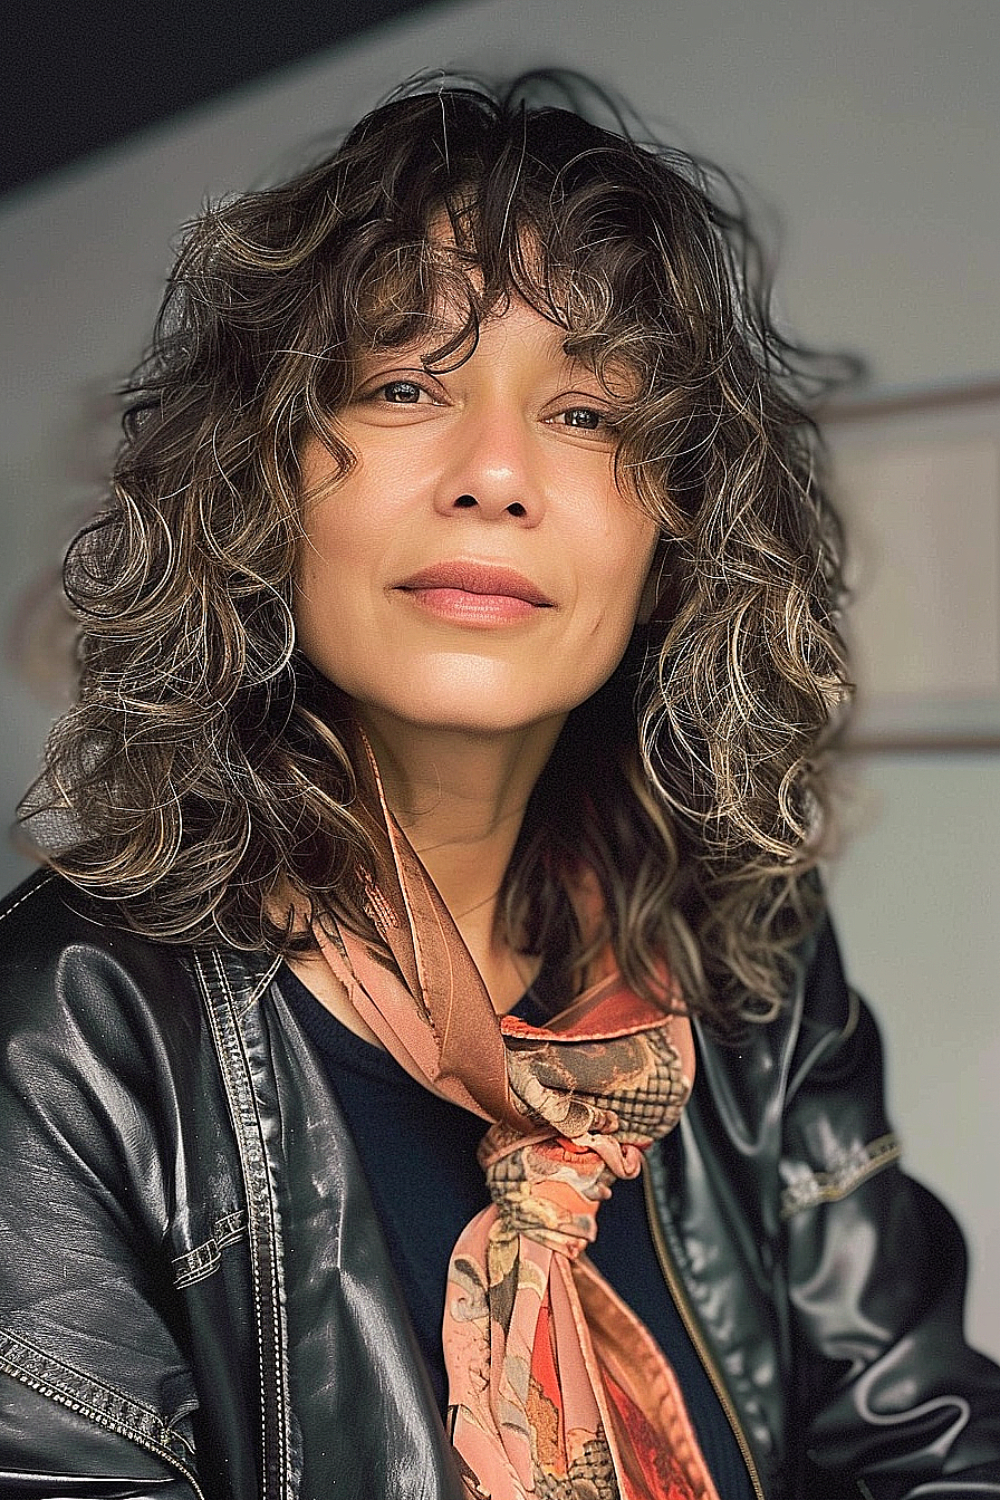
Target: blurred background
x,y
870,136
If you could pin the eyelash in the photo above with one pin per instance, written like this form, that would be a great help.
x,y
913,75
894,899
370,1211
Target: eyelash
x,y
604,419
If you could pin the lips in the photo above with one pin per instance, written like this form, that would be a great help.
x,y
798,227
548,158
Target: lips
x,y
476,578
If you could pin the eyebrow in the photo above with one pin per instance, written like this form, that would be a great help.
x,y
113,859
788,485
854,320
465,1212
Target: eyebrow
x,y
438,334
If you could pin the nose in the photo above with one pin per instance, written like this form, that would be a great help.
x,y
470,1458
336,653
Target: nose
x,y
491,469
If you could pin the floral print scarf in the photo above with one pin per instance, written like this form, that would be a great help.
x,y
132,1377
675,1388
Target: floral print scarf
x,y
556,1389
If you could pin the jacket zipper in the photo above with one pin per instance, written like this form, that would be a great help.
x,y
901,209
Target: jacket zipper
x,y
683,1305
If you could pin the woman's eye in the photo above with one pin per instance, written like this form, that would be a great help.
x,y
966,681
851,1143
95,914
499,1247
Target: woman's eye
x,y
400,392
583,416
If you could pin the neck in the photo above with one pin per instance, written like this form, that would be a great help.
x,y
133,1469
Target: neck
x,y
460,799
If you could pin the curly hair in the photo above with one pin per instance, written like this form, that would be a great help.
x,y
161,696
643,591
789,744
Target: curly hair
x,y
205,779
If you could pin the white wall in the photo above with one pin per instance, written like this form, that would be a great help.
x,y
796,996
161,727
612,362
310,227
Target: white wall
x,y
873,132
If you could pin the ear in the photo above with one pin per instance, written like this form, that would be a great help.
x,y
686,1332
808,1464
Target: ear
x,y
651,589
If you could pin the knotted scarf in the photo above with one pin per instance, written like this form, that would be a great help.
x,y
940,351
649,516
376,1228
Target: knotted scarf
x,y
556,1389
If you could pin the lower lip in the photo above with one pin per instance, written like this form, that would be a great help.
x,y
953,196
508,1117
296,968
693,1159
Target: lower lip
x,y
473,609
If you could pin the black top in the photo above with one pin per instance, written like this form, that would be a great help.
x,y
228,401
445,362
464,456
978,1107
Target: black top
x,y
419,1155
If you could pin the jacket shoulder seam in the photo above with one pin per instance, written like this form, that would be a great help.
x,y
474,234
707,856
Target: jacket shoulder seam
x,y
33,890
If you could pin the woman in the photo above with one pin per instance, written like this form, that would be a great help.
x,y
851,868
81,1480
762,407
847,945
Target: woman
x,y
456,649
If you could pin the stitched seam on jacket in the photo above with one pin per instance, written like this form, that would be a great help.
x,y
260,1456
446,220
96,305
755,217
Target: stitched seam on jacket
x,y
234,1064
26,897
264,981
99,1403
830,1187
270,1211
195,1265
232,1084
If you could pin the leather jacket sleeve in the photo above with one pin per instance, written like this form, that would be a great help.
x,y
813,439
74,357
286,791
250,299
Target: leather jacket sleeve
x,y
162,1131
892,1404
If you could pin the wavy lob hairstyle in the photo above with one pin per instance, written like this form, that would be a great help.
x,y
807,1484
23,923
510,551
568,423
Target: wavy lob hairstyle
x,y
204,782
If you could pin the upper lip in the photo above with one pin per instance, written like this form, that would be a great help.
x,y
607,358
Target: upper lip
x,y
476,578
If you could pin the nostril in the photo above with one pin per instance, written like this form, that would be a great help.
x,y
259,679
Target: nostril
x,y
517,509
465,502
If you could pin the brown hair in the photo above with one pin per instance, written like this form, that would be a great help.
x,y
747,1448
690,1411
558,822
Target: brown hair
x,y
206,768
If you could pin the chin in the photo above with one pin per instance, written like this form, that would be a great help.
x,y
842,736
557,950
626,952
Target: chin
x,y
459,695
471,718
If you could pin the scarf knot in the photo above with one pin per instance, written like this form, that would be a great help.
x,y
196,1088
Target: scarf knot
x,y
548,1190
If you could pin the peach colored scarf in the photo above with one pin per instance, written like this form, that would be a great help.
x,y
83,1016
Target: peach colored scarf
x,y
556,1388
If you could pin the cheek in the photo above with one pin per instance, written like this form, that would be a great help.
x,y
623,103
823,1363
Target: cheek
x,y
626,574
344,541
329,596
617,593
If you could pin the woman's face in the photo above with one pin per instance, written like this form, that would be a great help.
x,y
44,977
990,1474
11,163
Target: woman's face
x,y
477,569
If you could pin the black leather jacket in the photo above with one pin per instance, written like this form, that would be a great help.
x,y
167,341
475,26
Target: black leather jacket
x,y
195,1299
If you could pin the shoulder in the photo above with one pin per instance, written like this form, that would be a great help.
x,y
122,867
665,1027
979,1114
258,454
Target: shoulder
x,y
65,966
819,1005
754,1076
46,919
